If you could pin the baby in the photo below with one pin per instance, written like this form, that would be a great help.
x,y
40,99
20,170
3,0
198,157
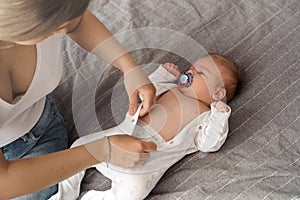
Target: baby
x,y
188,116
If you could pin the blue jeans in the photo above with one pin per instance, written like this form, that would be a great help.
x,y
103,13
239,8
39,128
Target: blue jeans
x,y
48,135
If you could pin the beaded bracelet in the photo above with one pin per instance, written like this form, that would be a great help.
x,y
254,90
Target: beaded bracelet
x,y
108,151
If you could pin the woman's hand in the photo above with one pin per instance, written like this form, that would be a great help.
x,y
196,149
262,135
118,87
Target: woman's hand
x,y
121,150
127,151
138,85
147,93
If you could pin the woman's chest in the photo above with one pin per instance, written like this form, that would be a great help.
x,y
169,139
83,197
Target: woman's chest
x,y
18,67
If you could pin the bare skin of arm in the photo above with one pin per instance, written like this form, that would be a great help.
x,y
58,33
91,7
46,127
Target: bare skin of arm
x,y
23,176
28,175
93,36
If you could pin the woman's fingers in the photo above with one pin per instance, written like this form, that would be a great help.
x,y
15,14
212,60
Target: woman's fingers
x,y
138,84
128,151
149,146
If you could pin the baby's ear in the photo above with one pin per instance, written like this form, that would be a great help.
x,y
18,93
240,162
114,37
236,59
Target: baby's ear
x,y
219,94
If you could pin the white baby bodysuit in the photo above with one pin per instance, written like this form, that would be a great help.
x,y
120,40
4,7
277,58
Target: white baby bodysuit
x,y
206,133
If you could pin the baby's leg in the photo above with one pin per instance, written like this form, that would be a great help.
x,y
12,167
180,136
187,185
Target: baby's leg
x,y
125,186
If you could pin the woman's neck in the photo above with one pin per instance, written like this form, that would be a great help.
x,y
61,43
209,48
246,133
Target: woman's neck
x,y
7,45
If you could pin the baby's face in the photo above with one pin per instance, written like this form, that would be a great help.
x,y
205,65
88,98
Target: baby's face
x,y
206,78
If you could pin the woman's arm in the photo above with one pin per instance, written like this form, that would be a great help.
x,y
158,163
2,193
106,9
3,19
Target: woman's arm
x,y
93,36
28,175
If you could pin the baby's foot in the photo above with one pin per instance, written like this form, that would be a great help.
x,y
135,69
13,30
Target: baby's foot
x,y
173,69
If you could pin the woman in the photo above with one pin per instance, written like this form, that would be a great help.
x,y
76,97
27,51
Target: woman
x,y
30,124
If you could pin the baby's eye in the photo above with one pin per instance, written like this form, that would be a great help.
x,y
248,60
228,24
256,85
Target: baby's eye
x,y
201,73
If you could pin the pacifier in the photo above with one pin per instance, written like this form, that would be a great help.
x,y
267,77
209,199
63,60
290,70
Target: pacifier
x,y
185,80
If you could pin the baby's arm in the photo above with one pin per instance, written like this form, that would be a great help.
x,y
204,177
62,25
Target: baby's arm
x,y
213,132
165,73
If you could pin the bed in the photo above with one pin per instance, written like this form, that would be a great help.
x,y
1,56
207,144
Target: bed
x,y
260,158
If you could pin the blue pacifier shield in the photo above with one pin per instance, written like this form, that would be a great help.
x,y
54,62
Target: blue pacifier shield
x,y
185,80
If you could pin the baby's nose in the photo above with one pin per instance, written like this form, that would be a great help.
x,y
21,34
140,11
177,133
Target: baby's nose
x,y
192,67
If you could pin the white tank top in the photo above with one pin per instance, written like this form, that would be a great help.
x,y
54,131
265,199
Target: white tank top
x,y
17,119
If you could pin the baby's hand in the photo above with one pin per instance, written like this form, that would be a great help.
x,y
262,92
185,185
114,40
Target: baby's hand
x,y
173,69
220,106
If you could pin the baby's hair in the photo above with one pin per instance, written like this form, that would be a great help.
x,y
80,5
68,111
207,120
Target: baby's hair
x,y
22,20
231,77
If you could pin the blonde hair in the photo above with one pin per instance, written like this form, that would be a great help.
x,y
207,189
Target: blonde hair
x,y
230,74
22,20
